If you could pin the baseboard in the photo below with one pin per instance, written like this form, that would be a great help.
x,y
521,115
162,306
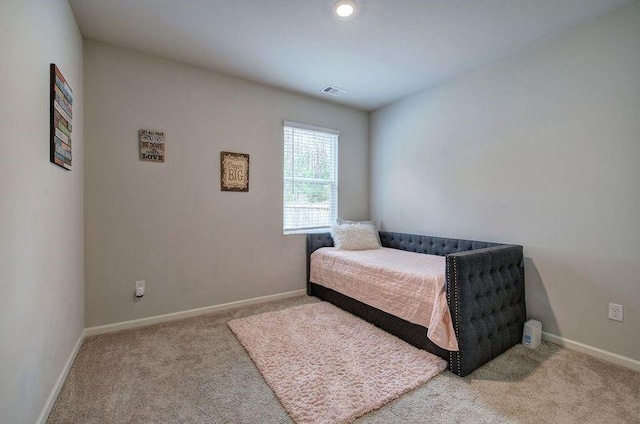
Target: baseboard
x,y
55,390
593,351
109,328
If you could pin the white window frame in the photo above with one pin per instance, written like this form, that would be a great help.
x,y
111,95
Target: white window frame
x,y
333,183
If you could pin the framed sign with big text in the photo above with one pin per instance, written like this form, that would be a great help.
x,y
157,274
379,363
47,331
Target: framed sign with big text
x,y
234,171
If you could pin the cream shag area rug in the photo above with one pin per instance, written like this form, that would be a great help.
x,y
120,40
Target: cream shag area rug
x,y
328,366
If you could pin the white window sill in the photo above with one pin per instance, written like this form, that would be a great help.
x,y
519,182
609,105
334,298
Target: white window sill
x,y
307,231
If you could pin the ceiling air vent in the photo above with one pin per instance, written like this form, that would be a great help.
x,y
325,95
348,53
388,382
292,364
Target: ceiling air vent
x,y
334,91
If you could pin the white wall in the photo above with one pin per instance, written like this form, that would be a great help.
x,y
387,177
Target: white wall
x,y
41,211
169,223
541,149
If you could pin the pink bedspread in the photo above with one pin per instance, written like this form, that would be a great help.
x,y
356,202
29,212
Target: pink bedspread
x,y
408,285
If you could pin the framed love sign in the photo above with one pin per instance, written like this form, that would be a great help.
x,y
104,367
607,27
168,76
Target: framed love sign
x,y
151,145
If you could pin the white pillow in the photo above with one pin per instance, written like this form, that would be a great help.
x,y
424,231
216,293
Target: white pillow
x,y
355,237
371,223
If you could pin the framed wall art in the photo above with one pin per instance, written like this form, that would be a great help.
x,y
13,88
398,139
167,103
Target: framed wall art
x,y
151,145
61,114
234,171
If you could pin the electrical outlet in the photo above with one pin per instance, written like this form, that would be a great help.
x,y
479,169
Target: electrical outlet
x,y
140,288
615,312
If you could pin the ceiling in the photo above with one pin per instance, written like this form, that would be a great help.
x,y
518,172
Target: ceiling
x,y
388,50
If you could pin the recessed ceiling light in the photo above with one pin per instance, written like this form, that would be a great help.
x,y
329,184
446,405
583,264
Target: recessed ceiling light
x,y
344,8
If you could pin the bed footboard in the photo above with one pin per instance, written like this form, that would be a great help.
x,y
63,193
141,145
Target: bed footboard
x,y
485,293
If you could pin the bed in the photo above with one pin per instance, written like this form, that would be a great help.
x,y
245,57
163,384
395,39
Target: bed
x,y
484,287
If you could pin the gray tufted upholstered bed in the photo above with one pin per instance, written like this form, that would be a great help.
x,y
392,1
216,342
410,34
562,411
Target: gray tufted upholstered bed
x,y
485,294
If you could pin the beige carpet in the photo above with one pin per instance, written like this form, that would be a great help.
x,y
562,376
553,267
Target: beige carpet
x,y
328,366
196,371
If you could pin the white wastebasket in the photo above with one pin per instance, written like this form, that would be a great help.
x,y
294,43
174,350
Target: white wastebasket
x,y
532,334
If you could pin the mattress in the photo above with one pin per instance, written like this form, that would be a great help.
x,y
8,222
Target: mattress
x,y
408,285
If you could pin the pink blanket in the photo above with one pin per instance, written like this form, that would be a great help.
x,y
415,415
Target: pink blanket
x,y
408,285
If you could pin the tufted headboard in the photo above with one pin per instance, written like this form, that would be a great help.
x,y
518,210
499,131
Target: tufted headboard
x,y
430,245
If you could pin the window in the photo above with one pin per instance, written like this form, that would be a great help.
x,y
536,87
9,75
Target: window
x,y
310,177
